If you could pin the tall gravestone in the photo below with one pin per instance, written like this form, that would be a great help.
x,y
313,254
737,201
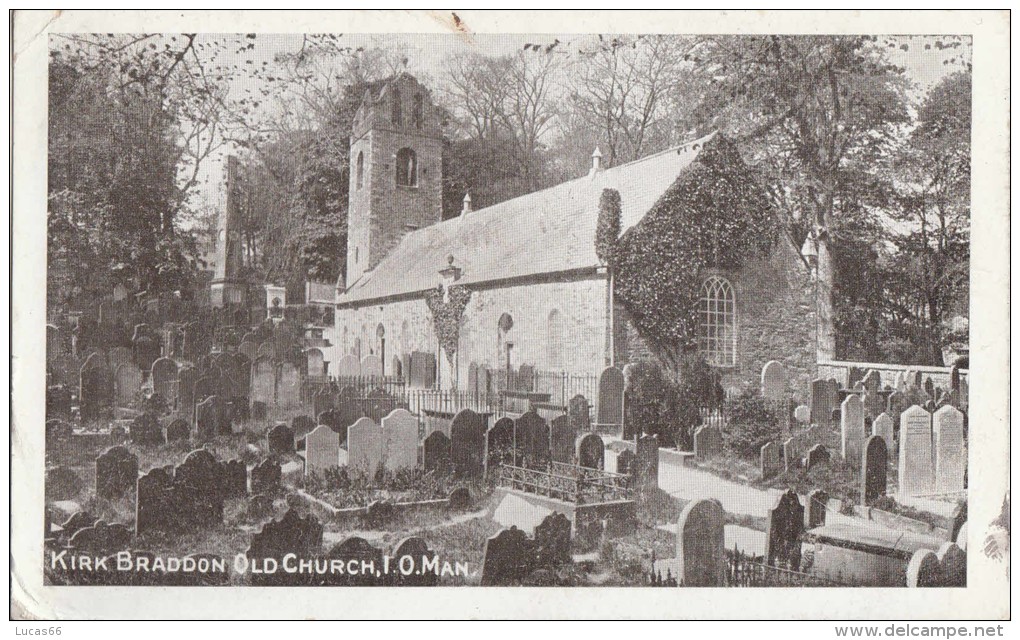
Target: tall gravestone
x,y
314,362
532,439
814,512
186,379
771,460
949,452
646,464
852,430
610,399
824,395
874,469
400,435
365,447
773,381
700,541
785,525
508,558
96,388
436,452
707,441
579,412
288,387
874,403
127,384
263,381
164,379
883,428
916,472
467,436
499,444
322,451
116,472
561,437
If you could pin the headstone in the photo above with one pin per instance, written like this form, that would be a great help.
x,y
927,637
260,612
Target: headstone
x,y
420,555
872,380
552,541
400,436
773,381
824,394
259,410
771,460
371,366
916,472
924,569
266,477
590,451
206,386
950,458
852,430
186,379
802,414
467,436
579,411
146,350
874,403
288,387
610,398
249,349
101,539
164,379
322,400
816,455
874,469
292,533
349,366
266,350
626,462
499,445
883,428
532,439
96,388
116,472
436,452
235,479
561,439
119,356
146,431
646,476
207,418
322,451
127,384
301,425
700,544
315,362
178,431
508,558
952,565
263,381
785,525
817,503
365,447
280,440
707,442
793,453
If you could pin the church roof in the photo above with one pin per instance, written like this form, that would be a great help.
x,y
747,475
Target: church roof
x,y
548,231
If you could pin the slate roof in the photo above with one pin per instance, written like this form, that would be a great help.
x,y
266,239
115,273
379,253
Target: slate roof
x,y
544,232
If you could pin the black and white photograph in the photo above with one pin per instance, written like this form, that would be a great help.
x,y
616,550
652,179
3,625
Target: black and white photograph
x,y
467,308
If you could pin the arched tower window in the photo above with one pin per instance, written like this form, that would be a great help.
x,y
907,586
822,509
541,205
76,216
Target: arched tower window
x,y
395,115
554,340
418,111
359,171
717,328
407,168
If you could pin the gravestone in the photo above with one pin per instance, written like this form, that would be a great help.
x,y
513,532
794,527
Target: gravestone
x,y
146,350
590,451
817,503
646,477
154,500
301,425
322,400
793,452
436,452
773,381
263,381
883,428
266,350
101,539
400,437
199,490
950,458
929,387
249,349
561,439
207,418
610,399
146,431
467,443
365,447
802,414
852,430
916,472
116,472
266,477
952,565
420,556
164,378
552,541
771,460
349,366
579,411
186,379
872,380
924,569
96,388
531,434
824,394
62,483
874,469
206,386
707,442
118,356
314,362
280,440
235,479
371,366
127,384
259,410
700,544
508,558
626,462
293,533
288,388
816,455
322,450
785,525
874,403
499,445
178,431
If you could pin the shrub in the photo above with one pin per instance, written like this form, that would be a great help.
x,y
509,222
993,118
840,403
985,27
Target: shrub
x,y
661,406
751,423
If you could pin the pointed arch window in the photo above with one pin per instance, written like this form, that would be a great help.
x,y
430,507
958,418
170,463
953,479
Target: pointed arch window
x,y
359,171
717,326
407,168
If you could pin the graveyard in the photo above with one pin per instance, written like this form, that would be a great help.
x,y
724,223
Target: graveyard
x,y
176,446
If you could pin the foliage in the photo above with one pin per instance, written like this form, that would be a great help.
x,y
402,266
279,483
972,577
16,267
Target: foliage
x,y
750,424
447,313
667,408
660,261
607,233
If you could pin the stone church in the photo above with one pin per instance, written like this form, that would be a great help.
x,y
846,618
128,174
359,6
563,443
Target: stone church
x,y
539,294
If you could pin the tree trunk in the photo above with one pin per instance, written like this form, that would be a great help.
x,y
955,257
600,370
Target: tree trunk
x,y
825,348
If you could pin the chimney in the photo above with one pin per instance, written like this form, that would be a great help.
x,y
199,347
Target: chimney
x,y
596,162
467,204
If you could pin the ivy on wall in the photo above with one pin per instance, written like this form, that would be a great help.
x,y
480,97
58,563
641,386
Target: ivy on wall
x,y
447,312
715,215
607,232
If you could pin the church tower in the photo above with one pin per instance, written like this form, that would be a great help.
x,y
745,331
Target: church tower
x,y
396,172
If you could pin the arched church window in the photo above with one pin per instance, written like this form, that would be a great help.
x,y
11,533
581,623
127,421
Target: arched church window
x,y
717,330
554,340
418,111
359,171
395,115
407,168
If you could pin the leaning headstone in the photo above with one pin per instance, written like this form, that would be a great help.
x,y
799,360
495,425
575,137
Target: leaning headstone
x,y
883,428
400,437
874,469
700,544
116,472
785,525
916,473
950,460
280,440
508,558
773,381
852,431
467,436
771,460
365,447
436,452
127,384
817,503
816,455
610,399
707,442
590,451
793,453
322,451
872,380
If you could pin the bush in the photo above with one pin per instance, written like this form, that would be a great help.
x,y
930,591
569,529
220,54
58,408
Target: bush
x,y
750,424
661,406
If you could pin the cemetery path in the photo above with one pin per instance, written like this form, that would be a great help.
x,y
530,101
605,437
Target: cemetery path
x,y
691,483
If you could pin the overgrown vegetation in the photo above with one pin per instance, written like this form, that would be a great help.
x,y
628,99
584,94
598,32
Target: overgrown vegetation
x,y
750,424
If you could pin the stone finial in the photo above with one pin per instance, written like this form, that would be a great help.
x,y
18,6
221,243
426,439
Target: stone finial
x,y
596,161
467,204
